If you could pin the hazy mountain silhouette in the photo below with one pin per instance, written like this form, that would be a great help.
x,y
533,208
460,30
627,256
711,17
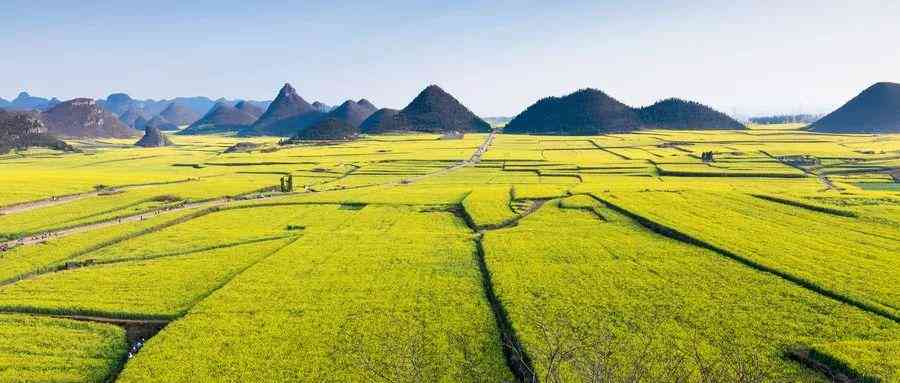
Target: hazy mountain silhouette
x,y
131,116
322,107
367,104
118,103
140,123
222,118
875,110
352,112
25,102
249,108
179,114
158,122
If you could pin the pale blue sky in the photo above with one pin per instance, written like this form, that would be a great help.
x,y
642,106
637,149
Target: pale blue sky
x,y
498,57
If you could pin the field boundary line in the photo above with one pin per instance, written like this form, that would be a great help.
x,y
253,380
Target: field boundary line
x,y
832,369
234,275
675,234
517,359
803,205
88,263
126,358
155,228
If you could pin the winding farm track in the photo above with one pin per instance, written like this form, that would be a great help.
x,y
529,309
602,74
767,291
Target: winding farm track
x,y
474,159
42,237
39,238
47,202
823,179
52,201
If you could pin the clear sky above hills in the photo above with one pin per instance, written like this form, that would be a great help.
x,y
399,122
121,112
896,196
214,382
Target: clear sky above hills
x,y
747,57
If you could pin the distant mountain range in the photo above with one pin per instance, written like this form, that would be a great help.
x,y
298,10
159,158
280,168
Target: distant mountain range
x,y
25,101
584,112
118,103
591,112
222,118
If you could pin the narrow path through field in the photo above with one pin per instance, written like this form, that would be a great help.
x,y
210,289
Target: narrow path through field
x,y
39,238
53,201
474,159
822,178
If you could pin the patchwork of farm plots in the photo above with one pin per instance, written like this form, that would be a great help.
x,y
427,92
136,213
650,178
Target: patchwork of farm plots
x,y
410,258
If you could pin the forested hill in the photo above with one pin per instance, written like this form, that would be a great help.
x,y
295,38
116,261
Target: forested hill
x,y
591,111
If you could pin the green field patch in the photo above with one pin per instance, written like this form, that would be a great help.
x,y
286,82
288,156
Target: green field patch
x,y
539,191
27,260
842,257
35,349
223,227
381,288
883,186
162,288
617,290
865,361
806,205
132,202
489,206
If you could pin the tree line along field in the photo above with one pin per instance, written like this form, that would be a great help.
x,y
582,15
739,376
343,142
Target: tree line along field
x,y
409,258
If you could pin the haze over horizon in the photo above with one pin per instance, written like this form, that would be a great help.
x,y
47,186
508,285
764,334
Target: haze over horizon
x,y
746,58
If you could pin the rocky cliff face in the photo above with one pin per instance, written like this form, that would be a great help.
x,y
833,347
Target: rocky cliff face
x,y
153,138
83,118
22,130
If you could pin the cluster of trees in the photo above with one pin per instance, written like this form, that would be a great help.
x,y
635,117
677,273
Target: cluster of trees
x,y
707,157
785,119
287,183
